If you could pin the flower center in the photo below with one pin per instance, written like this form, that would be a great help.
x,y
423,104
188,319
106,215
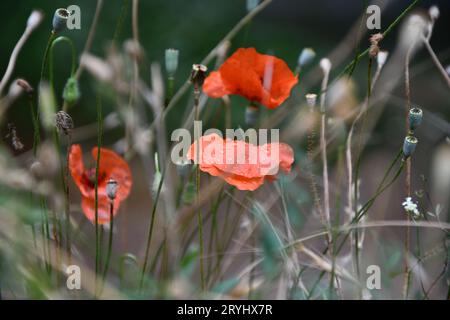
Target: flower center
x,y
89,177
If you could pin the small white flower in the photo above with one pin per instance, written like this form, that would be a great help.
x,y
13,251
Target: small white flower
x,y
411,207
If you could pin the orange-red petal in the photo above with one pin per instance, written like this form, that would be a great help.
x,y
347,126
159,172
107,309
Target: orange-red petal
x,y
104,207
257,77
219,156
115,167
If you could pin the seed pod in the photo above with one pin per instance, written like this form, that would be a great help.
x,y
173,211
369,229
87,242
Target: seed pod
x,y
171,58
111,189
60,18
415,118
311,100
409,146
64,122
198,74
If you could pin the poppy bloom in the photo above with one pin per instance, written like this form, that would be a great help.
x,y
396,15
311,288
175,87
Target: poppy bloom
x,y
241,164
111,166
258,77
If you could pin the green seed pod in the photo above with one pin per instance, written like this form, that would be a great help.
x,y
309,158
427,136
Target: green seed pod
x,y
71,92
415,118
171,58
409,146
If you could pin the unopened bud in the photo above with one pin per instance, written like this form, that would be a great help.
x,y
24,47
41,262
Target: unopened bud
x,y
306,57
434,12
71,92
382,58
34,19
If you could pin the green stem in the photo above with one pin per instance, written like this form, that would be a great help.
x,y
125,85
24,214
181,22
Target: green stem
x,y
73,58
197,182
97,172
110,242
150,230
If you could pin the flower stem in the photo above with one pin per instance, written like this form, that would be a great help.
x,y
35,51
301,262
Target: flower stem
x,y
110,241
97,171
197,183
150,230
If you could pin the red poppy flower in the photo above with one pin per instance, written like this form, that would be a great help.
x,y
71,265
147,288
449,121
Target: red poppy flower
x,y
257,77
243,165
111,166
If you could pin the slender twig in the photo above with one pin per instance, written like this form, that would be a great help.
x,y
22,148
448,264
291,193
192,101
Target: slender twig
x,y
407,273
90,38
436,61
15,53
323,148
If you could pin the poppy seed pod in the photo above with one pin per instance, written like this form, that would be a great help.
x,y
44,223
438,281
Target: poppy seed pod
x,y
64,122
171,57
415,118
251,115
111,189
198,74
60,19
71,92
409,146
311,100
306,57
